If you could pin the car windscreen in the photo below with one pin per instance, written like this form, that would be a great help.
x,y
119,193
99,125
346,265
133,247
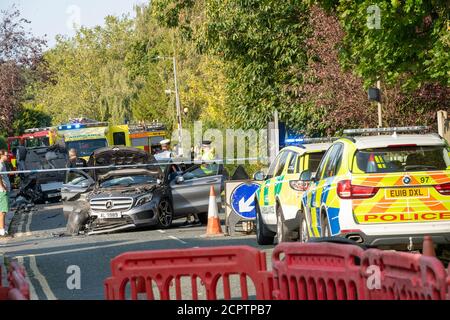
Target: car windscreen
x,y
37,142
86,147
127,181
401,159
314,160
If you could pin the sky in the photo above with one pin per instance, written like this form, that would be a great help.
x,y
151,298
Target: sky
x,y
52,17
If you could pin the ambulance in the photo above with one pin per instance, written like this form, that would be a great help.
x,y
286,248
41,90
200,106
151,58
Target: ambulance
x,y
382,187
86,136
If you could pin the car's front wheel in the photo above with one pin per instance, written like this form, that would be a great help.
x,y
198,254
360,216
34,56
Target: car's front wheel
x,y
165,214
303,229
263,235
283,234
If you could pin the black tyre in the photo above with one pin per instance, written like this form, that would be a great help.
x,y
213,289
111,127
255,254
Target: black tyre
x,y
203,217
165,214
263,235
303,234
325,230
283,234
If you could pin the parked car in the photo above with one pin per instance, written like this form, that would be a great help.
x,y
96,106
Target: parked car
x,y
106,200
278,200
380,189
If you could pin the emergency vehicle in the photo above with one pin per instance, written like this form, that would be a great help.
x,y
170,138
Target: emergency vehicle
x,y
86,136
35,137
147,136
278,200
39,137
385,187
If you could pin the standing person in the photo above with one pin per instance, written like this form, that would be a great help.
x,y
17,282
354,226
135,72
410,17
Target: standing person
x,y
166,152
74,161
21,155
5,189
206,154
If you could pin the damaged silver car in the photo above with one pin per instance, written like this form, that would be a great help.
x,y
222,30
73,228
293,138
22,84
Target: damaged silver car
x,y
151,194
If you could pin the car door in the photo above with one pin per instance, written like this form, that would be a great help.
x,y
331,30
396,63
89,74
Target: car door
x,y
271,187
77,182
322,185
191,194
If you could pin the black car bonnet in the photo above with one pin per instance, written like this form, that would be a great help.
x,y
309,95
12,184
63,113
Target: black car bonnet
x,y
117,156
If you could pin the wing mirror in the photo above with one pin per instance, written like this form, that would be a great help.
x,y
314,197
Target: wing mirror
x,y
85,184
259,176
179,180
306,175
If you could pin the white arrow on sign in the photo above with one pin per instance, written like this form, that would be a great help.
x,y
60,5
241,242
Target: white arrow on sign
x,y
245,205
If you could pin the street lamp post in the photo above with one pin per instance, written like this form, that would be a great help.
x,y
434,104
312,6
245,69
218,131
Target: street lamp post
x,y
178,104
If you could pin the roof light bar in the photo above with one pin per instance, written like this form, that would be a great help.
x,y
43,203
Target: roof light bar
x,y
385,130
33,130
311,140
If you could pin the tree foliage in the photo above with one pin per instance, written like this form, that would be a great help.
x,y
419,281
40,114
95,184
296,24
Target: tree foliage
x,y
20,54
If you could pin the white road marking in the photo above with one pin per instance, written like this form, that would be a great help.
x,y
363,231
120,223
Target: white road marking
x,y
25,232
22,220
161,231
177,239
30,217
41,279
89,248
33,295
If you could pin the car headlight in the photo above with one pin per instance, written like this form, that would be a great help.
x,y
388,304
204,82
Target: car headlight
x,y
143,200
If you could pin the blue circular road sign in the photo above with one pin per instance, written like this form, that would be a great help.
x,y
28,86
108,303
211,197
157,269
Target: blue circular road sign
x,y
243,200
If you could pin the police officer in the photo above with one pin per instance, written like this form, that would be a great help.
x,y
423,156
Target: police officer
x,y
74,161
165,153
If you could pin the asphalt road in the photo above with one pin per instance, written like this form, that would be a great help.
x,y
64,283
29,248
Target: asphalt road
x,y
47,254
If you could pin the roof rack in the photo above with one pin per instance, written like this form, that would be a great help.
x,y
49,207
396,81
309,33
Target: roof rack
x,y
385,130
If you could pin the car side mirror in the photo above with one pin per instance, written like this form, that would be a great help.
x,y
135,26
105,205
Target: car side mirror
x,y
179,180
306,176
259,176
85,184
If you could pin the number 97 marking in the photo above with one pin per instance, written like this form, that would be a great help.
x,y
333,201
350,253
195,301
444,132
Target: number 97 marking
x,y
424,180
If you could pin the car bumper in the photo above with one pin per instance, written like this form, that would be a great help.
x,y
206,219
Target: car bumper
x,y
145,215
397,241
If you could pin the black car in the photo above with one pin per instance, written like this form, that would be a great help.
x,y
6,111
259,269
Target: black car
x,y
144,193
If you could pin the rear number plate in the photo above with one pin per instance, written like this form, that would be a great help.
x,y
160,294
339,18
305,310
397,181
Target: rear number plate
x,y
407,193
109,215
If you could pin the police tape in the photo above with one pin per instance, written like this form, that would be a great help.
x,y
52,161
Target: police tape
x,y
140,165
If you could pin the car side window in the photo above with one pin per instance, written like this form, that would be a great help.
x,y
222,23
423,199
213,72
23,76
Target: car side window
x,y
272,168
322,164
292,163
334,161
202,171
281,163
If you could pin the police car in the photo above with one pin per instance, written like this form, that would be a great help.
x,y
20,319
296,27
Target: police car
x,y
278,200
385,187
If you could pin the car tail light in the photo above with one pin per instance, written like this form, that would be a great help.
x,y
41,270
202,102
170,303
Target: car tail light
x,y
443,188
299,185
346,190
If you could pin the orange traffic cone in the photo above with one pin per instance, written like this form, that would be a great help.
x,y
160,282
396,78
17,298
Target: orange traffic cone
x,y
428,247
213,229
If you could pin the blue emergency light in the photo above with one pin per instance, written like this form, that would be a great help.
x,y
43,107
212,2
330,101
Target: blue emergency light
x,y
71,126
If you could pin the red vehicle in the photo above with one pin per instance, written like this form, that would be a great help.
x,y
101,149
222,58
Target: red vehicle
x,y
13,143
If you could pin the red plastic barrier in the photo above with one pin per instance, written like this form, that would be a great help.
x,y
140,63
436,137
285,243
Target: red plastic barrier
x,y
141,270
317,271
18,288
403,276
